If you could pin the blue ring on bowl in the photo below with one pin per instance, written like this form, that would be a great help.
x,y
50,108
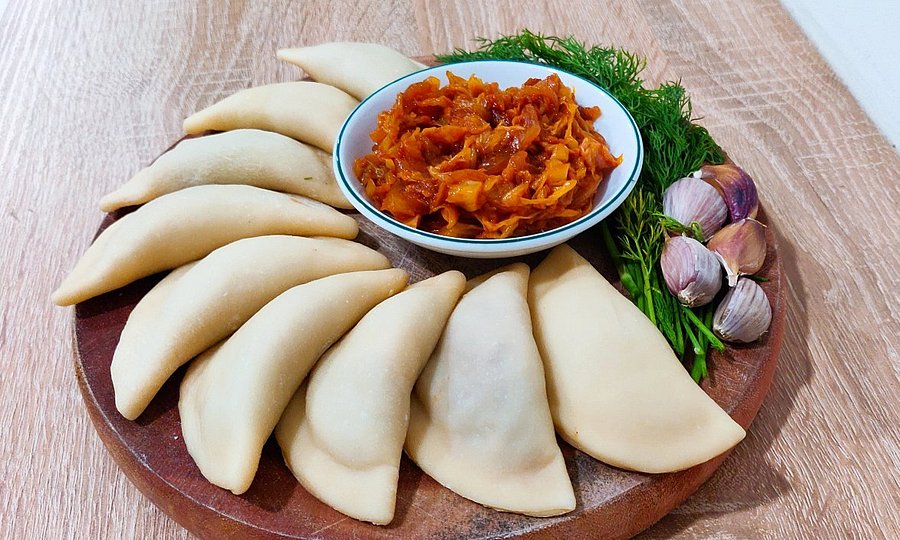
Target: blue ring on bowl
x,y
626,189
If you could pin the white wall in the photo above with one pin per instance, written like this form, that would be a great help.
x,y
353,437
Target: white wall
x,y
860,39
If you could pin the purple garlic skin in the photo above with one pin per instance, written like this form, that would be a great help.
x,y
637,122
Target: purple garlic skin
x,y
691,271
741,247
691,199
735,186
744,314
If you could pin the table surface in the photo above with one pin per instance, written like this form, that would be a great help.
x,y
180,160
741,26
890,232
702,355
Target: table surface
x,y
90,95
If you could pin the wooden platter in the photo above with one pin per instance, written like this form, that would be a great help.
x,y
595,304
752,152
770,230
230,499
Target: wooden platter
x,y
611,503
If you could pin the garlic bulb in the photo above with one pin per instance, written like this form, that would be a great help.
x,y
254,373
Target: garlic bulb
x,y
736,187
691,199
741,247
691,271
744,314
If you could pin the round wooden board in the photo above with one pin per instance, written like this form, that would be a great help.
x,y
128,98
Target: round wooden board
x,y
611,503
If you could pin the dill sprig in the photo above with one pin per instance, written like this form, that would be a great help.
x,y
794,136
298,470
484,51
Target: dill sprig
x,y
615,69
674,146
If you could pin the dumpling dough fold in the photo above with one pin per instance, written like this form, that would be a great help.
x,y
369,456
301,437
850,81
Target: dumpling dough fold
x,y
479,421
307,111
243,156
616,389
342,434
233,395
176,321
356,68
186,225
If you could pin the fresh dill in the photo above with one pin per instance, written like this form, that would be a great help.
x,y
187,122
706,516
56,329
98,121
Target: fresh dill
x,y
674,146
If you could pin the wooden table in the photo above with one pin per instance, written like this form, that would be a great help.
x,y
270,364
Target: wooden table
x,y
90,94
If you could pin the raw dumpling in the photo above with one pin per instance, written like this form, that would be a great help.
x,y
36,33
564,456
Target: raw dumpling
x,y
307,111
356,68
243,156
148,312
233,395
226,288
343,432
186,225
617,391
479,421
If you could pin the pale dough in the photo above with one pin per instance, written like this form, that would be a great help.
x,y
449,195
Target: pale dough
x,y
479,423
342,434
187,225
356,68
310,112
243,156
175,322
233,395
617,391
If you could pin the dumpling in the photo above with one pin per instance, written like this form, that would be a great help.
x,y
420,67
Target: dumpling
x,y
148,312
617,391
186,225
307,111
343,432
356,68
479,421
243,156
226,288
233,395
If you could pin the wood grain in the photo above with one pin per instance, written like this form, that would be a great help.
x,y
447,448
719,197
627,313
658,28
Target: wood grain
x,y
103,87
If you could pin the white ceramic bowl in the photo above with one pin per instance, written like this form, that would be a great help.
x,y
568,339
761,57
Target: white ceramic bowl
x,y
615,124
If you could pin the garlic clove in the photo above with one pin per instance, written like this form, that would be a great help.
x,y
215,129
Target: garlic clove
x,y
737,188
691,271
741,247
744,314
691,199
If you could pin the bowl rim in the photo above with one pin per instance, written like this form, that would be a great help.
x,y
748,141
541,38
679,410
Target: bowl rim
x,y
579,224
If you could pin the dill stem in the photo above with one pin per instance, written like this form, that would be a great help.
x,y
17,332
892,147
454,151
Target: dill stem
x,y
630,285
701,326
678,345
651,314
701,336
640,302
693,338
698,370
624,275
